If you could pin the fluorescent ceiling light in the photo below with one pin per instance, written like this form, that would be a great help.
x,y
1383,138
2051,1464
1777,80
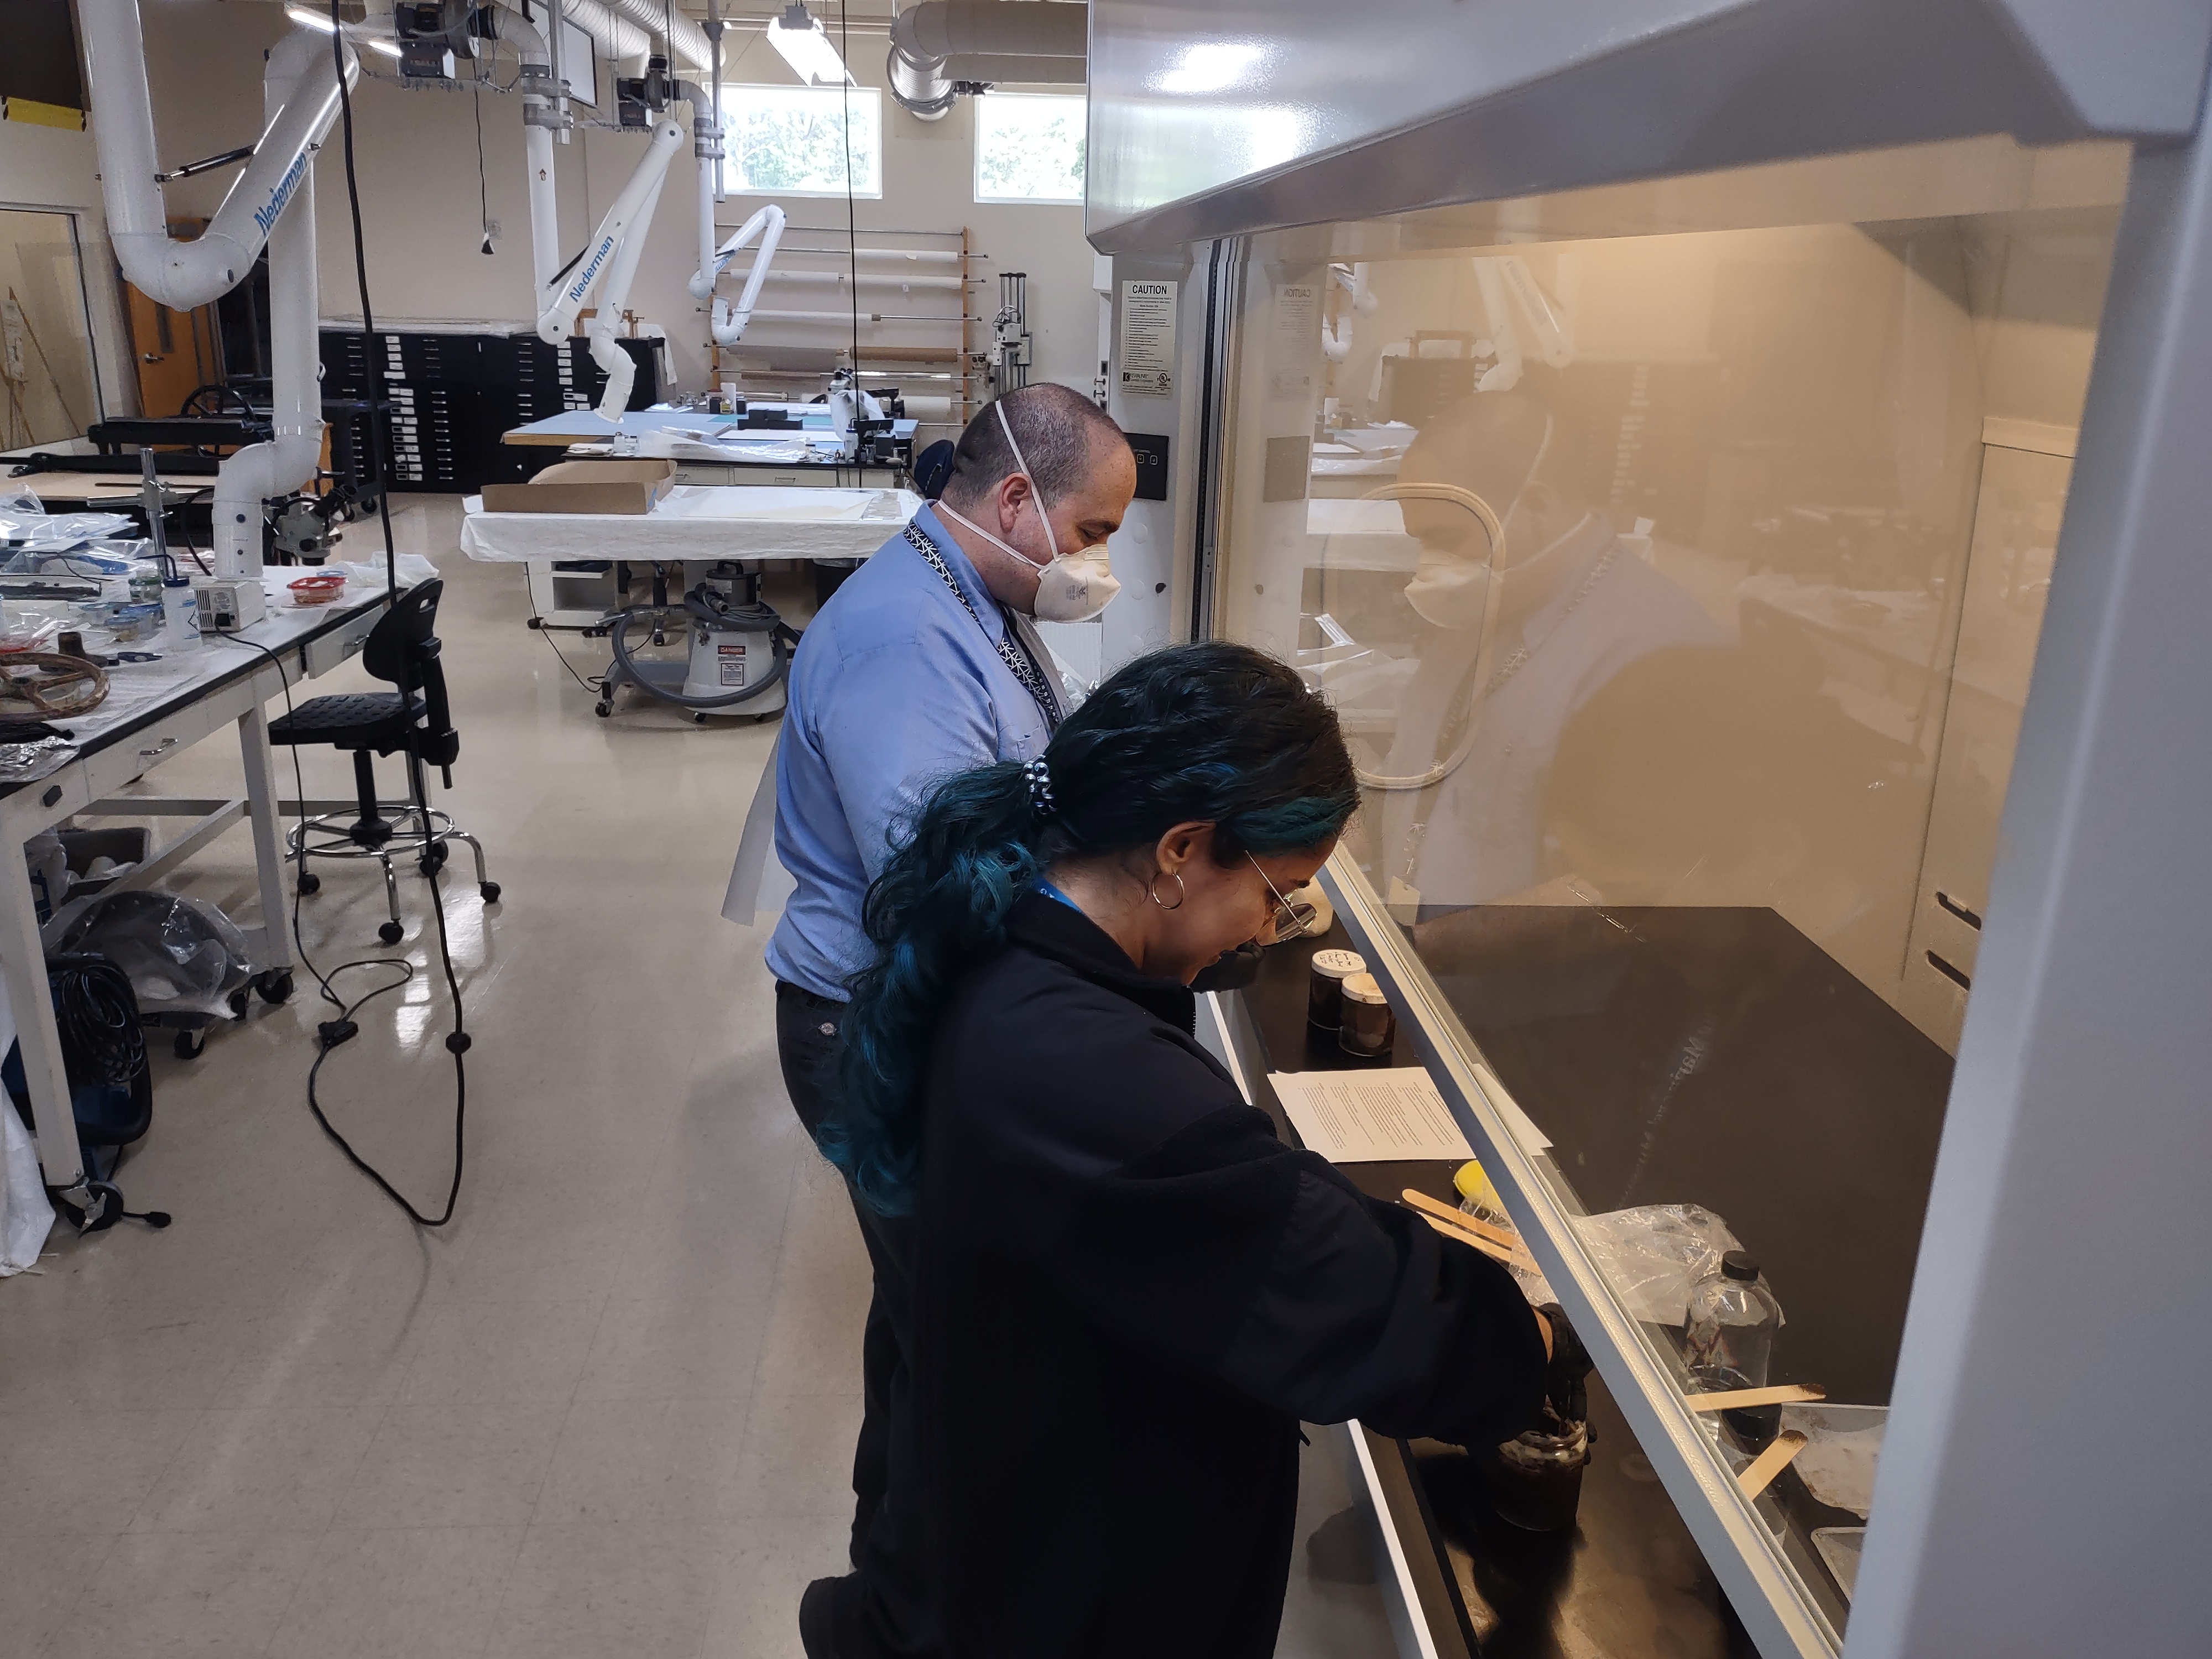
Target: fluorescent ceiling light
x,y
315,20
802,43
1210,66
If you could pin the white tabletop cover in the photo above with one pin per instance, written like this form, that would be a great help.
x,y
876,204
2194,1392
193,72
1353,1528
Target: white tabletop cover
x,y
698,522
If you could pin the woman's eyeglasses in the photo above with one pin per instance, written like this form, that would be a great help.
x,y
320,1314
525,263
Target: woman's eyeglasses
x,y
1292,916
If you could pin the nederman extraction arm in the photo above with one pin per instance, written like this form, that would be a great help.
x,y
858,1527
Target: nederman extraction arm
x,y
729,325
271,203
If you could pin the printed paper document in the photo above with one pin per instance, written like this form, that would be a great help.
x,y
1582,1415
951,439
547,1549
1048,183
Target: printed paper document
x,y
1370,1117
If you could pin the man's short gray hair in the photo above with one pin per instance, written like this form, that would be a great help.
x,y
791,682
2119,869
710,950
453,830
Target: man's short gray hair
x,y
1062,434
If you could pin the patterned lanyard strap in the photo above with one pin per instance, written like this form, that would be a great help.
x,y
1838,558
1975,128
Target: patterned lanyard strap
x,y
1009,651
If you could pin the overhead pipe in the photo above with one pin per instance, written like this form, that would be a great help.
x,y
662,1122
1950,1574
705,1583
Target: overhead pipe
x,y
543,113
941,48
184,276
688,40
616,35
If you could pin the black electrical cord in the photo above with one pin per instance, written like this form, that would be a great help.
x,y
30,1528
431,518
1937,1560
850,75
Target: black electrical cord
x,y
330,1033
334,1032
851,234
98,1014
483,189
537,627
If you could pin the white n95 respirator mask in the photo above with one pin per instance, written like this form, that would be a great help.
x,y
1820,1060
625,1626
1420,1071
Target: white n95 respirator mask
x,y
1452,588
1072,588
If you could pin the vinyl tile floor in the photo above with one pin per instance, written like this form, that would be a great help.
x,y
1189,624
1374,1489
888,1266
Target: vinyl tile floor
x,y
608,1410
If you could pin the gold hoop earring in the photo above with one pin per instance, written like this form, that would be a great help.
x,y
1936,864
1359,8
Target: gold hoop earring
x,y
1152,887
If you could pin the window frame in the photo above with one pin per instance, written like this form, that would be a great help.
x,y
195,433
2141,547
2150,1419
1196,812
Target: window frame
x,y
984,101
734,95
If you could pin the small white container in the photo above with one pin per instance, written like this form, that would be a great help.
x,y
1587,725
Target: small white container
x,y
180,616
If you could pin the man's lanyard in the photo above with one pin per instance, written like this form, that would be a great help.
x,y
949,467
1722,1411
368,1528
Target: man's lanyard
x,y
1011,651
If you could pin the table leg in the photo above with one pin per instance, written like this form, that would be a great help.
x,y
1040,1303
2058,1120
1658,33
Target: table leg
x,y
23,965
259,762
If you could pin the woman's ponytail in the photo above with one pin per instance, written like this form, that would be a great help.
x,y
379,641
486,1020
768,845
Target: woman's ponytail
x,y
941,901
1207,731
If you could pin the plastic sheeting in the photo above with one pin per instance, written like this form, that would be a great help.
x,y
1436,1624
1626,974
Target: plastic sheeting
x,y
699,522
26,1216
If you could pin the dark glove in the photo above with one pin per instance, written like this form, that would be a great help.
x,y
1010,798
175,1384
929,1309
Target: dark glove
x,y
1570,1364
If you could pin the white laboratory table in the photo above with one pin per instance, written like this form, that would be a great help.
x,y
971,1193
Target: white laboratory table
x,y
584,426
696,523
153,712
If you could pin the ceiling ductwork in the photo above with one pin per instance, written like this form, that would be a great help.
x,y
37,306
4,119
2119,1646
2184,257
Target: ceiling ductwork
x,y
688,44
942,48
615,35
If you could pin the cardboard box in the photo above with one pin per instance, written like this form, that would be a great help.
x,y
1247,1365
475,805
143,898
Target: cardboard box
x,y
586,487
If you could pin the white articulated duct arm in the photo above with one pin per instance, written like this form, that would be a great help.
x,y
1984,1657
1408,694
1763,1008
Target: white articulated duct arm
x,y
560,301
621,368
288,459
728,324
185,274
610,261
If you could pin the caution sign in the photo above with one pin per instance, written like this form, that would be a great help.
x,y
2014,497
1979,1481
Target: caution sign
x,y
1148,330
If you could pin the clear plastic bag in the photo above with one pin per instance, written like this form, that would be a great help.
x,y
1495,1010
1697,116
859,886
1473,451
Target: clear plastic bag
x,y
1842,1452
54,532
184,955
1654,1254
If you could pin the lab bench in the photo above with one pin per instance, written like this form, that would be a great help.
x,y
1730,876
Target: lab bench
x,y
1807,1119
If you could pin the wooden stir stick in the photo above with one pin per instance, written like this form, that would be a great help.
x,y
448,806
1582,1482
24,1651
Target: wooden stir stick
x,y
1493,1242
1760,1474
1781,1394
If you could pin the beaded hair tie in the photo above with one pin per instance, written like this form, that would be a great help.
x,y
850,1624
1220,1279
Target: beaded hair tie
x,y
1040,788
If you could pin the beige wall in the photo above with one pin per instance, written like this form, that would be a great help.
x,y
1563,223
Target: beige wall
x,y
416,154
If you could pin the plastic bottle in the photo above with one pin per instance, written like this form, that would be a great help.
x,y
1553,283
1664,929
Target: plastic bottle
x,y
180,614
1728,1339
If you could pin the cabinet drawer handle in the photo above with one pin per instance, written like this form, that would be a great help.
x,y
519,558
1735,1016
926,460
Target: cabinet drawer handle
x,y
160,748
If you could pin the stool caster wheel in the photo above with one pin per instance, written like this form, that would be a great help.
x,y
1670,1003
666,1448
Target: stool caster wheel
x,y
603,710
390,932
431,861
490,892
240,1000
189,1043
698,719
535,621
310,882
275,986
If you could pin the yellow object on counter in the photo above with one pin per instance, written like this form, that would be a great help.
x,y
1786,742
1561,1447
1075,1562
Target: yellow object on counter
x,y
1471,1181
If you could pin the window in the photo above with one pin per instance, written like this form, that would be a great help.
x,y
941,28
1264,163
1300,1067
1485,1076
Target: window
x,y
791,141
1029,148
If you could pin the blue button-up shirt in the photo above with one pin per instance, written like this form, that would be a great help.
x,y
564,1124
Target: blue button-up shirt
x,y
895,687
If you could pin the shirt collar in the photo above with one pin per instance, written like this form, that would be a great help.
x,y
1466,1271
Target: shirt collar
x,y
971,584
1064,934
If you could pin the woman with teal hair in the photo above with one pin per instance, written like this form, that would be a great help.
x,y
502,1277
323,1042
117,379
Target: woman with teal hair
x,y
1125,1292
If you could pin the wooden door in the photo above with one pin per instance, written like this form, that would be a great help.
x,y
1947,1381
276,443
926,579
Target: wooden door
x,y
175,352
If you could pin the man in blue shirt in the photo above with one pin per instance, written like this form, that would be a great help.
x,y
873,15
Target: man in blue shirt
x,y
925,662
